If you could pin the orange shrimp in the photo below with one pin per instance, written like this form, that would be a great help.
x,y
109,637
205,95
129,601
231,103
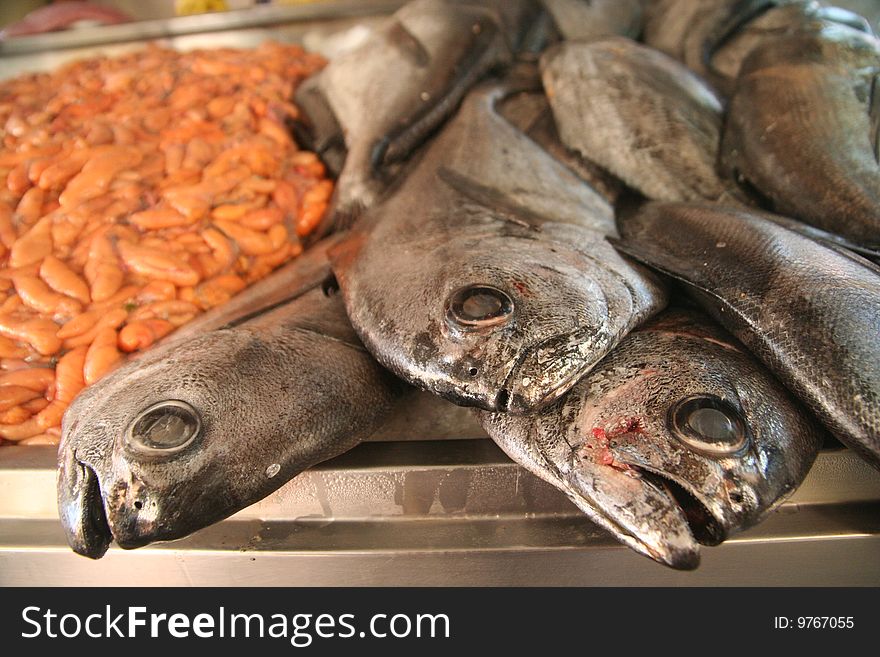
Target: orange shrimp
x,y
102,356
159,218
8,234
37,379
218,290
57,174
99,171
106,320
155,264
11,349
250,242
102,268
157,291
38,332
37,295
262,219
63,279
30,206
17,180
175,311
141,334
12,396
33,246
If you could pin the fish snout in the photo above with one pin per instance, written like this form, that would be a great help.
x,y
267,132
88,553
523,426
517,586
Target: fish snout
x,y
81,507
637,508
550,369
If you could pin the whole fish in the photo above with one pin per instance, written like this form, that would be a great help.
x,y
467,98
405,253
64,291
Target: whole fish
x,y
810,312
379,101
638,114
593,19
713,37
802,129
485,277
198,429
677,438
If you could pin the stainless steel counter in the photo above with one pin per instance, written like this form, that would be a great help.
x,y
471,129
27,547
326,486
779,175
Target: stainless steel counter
x,y
430,500
440,511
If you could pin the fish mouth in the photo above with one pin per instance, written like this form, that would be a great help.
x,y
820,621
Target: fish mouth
x,y
81,509
645,510
549,369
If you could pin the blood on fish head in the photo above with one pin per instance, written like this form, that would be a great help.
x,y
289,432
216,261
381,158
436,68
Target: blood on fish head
x,y
677,438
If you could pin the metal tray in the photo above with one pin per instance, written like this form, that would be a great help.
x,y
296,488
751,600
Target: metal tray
x,y
429,500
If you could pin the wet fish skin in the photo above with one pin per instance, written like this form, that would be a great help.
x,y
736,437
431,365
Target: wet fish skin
x,y
391,92
713,37
638,114
274,395
486,207
592,19
530,112
724,51
799,130
615,442
809,312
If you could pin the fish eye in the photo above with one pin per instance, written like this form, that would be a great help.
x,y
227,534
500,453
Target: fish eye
x,y
164,428
709,425
478,306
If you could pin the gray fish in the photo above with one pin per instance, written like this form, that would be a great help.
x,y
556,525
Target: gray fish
x,y
713,37
390,93
802,129
678,437
811,313
638,114
198,429
530,112
485,277
593,19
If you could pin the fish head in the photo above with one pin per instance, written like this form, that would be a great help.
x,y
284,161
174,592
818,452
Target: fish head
x,y
177,440
677,439
504,321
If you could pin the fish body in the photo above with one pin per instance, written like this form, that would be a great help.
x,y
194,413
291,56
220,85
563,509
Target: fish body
x,y
802,130
198,429
677,438
593,19
713,37
485,277
387,95
810,312
637,113
530,112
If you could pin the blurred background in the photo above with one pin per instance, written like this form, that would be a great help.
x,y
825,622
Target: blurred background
x,y
13,10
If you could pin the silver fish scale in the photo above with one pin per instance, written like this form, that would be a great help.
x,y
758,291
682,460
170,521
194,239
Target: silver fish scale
x,y
798,133
810,313
637,113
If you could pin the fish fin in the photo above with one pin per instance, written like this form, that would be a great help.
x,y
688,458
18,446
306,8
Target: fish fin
x,y
316,128
492,199
874,116
408,44
845,17
647,257
398,145
739,15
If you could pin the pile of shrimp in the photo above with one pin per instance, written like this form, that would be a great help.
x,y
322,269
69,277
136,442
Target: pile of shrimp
x,y
135,193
